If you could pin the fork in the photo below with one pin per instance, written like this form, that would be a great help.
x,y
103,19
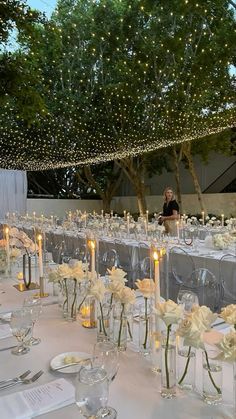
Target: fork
x,y
21,377
24,381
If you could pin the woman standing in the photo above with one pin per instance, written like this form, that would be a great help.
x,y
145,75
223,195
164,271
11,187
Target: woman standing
x,y
170,213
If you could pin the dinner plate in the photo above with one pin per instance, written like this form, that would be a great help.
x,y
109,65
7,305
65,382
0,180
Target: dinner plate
x,y
58,361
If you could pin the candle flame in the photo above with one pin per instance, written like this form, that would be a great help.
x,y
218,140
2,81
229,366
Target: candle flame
x,y
40,237
91,244
7,230
155,255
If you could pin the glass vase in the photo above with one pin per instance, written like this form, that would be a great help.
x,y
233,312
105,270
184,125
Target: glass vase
x,y
186,365
71,312
168,364
120,326
88,312
155,349
145,328
212,378
103,322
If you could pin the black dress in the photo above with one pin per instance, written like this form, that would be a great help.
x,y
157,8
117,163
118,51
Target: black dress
x,y
169,207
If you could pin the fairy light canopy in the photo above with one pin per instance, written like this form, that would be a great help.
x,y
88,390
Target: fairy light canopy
x,y
116,78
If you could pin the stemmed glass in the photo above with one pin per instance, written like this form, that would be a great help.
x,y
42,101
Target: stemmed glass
x,y
91,396
106,356
187,299
21,327
34,305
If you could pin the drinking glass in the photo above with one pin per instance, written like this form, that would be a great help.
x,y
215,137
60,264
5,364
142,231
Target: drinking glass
x,y
91,394
106,356
187,299
34,305
21,327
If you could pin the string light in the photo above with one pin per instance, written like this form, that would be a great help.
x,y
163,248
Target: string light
x,y
132,89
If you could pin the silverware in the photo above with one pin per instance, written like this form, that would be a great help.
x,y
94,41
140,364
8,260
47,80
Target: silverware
x,y
21,377
8,347
24,381
71,364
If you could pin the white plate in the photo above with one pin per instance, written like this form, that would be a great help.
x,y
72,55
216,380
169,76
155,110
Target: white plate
x,y
58,361
5,317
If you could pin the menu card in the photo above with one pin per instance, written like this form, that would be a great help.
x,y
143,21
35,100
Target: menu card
x,y
30,403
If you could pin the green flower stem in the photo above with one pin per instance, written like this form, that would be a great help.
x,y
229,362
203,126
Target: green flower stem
x,y
209,373
129,330
166,356
82,302
74,300
66,300
102,320
121,324
146,324
111,301
186,366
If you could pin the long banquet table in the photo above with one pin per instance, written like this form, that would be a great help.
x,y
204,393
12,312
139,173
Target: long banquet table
x,y
135,391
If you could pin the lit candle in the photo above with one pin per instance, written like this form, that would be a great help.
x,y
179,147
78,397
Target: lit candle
x,y
7,247
156,278
70,216
147,215
92,249
111,213
124,214
177,226
34,215
40,263
222,220
42,218
128,224
102,212
85,219
52,218
203,218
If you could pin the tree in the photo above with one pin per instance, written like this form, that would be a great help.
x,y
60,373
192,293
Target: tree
x,y
104,179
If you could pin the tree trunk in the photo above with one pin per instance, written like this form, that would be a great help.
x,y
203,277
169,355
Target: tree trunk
x,y
188,155
140,193
134,172
177,178
106,203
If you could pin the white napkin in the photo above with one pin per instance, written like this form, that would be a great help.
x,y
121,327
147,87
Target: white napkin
x,y
30,403
5,331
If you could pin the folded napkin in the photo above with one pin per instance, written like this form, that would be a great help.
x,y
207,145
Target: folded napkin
x,y
5,331
36,401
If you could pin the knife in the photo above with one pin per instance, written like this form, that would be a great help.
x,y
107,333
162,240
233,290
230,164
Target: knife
x,y
71,364
9,347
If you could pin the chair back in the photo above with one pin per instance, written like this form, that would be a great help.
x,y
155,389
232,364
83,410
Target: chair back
x,y
181,265
227,276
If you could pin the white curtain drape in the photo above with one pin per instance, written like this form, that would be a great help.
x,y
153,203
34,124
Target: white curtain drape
x,y
13,192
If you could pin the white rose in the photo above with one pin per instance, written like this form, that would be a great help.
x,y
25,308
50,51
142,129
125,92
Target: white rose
x,y
117,275
115,287
227,347
190,332
146,286
228,313
98,290
64,271
169,312
203,317
78,271
126,296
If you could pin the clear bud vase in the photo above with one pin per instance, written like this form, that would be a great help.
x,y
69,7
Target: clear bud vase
x,y
186,365
212,378
88,312
71,313
155,348
145,327
103,322
120,326
168,364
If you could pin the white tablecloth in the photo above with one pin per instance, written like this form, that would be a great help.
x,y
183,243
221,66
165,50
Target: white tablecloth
x,y
134,392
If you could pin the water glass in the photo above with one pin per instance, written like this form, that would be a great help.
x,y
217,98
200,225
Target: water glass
x,y
106,356
91,396
187,299
34,305
21,327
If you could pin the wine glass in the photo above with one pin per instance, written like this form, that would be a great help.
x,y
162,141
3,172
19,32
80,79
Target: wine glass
x,y
106,356
21,327
91,395
187,299
35,308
